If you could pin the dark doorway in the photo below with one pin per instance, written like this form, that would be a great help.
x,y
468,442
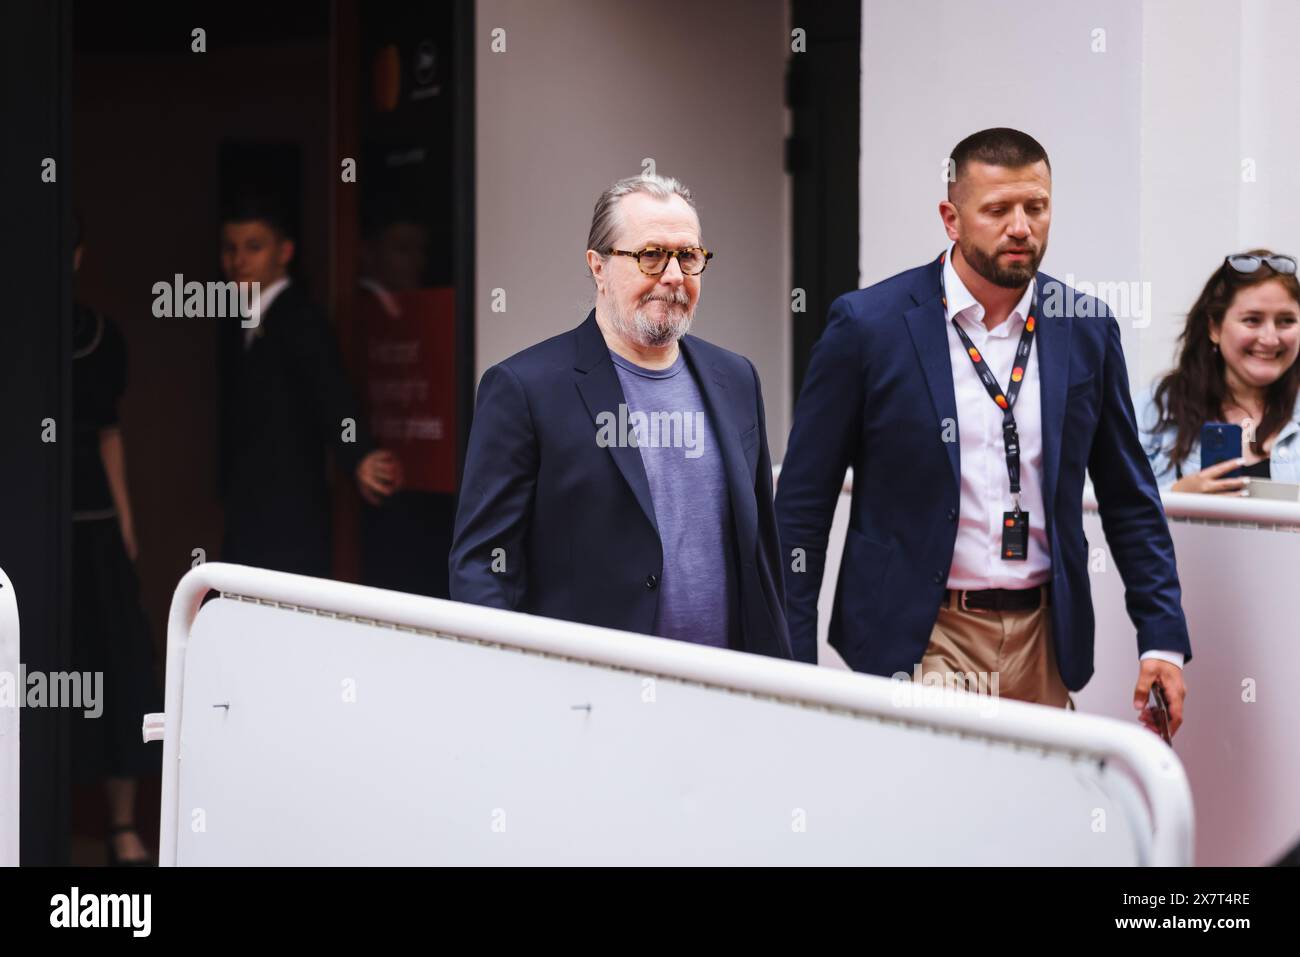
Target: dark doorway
x,y
146,128
823,92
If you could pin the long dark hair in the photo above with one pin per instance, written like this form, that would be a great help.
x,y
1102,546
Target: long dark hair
x,y
1193,393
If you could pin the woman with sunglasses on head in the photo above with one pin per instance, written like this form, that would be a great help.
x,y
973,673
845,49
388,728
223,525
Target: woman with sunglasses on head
x,y
1237,364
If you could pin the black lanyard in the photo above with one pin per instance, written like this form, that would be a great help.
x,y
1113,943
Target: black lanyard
x,y
1005,401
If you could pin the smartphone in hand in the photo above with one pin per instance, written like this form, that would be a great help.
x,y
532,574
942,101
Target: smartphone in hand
x,y
1220,441
1159,706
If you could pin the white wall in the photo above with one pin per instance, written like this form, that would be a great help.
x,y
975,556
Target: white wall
x,y
1147,136
934,71
1220,79
584,92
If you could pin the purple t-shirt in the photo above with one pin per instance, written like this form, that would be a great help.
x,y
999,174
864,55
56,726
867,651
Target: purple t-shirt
x,y
688,484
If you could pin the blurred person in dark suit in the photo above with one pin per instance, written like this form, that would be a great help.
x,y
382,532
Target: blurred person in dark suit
x,y
399,362
285,406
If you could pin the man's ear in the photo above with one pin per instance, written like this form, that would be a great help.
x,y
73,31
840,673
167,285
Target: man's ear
x,y
948,213
596,263
285,253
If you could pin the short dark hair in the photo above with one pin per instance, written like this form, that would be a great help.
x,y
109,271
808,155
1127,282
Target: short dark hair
x,y
257,207
999,146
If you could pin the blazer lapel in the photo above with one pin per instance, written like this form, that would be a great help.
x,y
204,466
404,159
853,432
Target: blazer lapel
x,y
740,487
927,325
602,392
1052,343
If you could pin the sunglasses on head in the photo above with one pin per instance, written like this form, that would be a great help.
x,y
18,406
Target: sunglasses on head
x,y
1246,264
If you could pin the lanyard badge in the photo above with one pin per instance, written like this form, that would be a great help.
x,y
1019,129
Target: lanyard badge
x,y
1015,524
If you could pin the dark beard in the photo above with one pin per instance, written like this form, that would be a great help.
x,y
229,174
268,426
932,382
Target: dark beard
x,y
1011,277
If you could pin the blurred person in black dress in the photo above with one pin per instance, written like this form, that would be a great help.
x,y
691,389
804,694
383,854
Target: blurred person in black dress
x,y
285,405
109,631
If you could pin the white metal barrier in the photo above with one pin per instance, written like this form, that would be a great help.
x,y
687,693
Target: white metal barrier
x,y
1237,563
10,658
1239,567
313,722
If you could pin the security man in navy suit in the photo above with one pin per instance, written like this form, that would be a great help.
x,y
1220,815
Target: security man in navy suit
x,y
618,474
970,395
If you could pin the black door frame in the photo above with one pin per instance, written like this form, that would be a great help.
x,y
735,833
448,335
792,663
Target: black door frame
x,y
35,367
823,92
464,225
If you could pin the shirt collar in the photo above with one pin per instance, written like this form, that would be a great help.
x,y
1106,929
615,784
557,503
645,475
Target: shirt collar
x,y
1290,427
962,304
264,299
269,294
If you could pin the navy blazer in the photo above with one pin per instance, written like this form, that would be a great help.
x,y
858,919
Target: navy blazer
x,y
551,523
878,390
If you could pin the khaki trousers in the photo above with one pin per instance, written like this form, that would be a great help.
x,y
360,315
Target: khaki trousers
x,y
1008,654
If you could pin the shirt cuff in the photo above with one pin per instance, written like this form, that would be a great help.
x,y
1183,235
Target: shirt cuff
x,y
1173,657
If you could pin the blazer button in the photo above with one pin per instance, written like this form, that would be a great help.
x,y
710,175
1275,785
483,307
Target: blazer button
x,y
939,578
952,515
651,581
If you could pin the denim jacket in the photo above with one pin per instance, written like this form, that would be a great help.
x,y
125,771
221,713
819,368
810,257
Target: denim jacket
x,y
1283,462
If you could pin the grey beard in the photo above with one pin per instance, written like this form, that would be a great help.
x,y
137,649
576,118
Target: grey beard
x,y
652,333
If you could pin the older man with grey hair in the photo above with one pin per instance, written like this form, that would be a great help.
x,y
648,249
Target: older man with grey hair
x,y
618,474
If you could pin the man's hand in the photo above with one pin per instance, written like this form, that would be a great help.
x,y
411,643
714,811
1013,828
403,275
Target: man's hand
x,y
1170,677
378,476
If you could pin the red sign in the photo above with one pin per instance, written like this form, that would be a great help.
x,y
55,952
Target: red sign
x,y
408,362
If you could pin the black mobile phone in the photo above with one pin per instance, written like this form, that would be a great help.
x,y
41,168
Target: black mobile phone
x,y
1161,709
1220,441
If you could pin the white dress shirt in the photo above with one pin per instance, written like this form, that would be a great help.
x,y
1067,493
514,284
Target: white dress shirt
x,y
977,561
265,298
985,486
